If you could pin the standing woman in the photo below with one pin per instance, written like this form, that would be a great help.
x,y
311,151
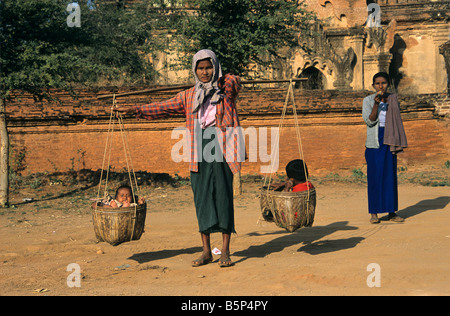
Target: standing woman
x,y
385,139
210,111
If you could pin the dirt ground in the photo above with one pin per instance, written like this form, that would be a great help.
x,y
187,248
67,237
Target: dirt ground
x,y
42,237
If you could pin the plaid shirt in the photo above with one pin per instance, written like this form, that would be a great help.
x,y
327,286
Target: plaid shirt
x,y
226,117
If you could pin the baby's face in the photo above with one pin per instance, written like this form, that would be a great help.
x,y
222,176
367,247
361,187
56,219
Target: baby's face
x,y
124,195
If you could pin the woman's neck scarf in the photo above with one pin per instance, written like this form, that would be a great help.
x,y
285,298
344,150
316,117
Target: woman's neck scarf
x,y
394,132
204,90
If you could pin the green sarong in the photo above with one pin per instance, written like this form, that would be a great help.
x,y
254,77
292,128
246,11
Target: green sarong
x,y
213,188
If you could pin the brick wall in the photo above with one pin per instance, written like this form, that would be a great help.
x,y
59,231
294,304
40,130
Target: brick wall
x,y
71,134
442,105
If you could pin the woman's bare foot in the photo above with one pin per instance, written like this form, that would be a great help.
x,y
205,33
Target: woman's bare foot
x,y
225,260
204,259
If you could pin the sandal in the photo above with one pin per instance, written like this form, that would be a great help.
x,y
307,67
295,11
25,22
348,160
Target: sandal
x,y
201,261
374,220
396,218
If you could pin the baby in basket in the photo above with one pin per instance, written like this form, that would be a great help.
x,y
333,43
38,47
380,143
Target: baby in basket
x,y
123,198
297,173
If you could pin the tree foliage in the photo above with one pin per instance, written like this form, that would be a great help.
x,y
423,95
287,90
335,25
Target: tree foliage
x,y
39,51
242,32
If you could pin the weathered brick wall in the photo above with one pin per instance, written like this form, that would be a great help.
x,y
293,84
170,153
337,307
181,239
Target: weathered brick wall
x,y
71,134
442,105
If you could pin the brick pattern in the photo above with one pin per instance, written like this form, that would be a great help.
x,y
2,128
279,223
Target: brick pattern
x,y
71,134
442,106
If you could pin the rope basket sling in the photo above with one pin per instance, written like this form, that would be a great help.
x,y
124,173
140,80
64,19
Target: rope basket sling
x,y
118,225
288,210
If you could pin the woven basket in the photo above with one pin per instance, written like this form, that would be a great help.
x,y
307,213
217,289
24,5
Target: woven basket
x,y
118,225
289,210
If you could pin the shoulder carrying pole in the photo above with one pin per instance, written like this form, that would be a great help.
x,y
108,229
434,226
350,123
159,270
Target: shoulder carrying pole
x,y
178,87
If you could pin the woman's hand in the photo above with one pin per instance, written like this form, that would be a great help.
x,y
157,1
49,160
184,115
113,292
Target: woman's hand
x,y
378,97
123,109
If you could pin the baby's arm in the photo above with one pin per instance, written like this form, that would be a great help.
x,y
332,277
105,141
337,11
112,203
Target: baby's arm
x,y
112,204
289,185
98,203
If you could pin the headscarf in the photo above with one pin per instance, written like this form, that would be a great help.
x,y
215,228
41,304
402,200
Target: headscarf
x,y
204,90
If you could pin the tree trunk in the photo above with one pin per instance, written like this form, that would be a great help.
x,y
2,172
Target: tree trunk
x,y
4,156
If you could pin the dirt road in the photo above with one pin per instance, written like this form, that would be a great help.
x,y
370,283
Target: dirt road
x,y
40,239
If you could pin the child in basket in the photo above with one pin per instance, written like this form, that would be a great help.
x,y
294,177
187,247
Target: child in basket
x,y
297,172
123,198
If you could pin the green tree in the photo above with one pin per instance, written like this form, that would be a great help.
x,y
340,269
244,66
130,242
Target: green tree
x,y
40,52
242,32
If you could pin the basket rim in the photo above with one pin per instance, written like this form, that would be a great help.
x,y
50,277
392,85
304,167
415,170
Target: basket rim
x,y
287,194
102,209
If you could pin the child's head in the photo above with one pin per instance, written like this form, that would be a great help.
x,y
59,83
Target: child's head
x,y
124,194
297,170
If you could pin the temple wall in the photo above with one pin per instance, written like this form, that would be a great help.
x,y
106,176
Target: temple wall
x,y
71,135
